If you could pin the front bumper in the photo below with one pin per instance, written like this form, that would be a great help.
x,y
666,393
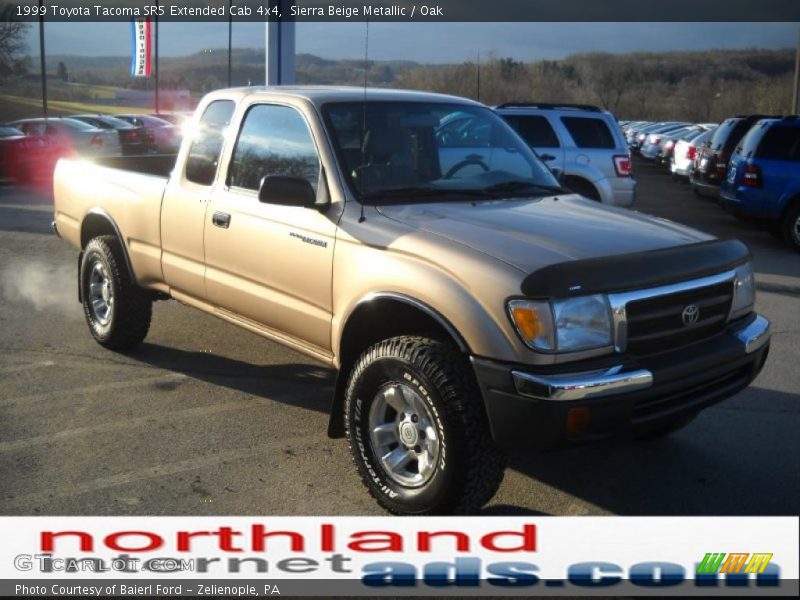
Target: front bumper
x,y
618,395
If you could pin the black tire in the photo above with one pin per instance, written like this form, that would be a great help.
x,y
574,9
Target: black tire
x,y
667,429
128,315
791,226
468,468
583,188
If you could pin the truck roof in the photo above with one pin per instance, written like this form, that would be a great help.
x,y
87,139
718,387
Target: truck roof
x,y
320,94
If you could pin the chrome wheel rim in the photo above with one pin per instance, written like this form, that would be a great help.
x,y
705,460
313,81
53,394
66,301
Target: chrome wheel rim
x,y
101,295
403,435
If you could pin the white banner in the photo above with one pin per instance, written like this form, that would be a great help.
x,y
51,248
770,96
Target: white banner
x,y
141,48
530,555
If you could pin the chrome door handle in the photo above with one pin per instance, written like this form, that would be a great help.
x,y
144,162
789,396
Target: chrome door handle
x,y
221,219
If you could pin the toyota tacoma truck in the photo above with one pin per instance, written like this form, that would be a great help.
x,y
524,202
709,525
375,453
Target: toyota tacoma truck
x,y
469,304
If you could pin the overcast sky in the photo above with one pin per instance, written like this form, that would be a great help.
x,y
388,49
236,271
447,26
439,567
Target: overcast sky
x,y
429,42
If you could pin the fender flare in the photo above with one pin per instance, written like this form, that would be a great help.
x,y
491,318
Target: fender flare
x,y
99,212
335,420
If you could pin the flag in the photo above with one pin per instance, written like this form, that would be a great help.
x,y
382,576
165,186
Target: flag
x,y
141,48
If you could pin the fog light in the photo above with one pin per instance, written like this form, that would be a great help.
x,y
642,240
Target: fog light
x,y
577,422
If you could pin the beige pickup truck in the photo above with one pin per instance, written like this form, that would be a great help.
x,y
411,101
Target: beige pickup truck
x,y
414,242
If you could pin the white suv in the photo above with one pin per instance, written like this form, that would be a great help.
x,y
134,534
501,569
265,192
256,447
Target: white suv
x,y
582,143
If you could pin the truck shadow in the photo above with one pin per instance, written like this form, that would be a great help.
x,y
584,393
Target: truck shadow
x,y
303,385
735,459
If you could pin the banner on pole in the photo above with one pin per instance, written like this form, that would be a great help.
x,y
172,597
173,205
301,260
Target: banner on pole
x,y
141,48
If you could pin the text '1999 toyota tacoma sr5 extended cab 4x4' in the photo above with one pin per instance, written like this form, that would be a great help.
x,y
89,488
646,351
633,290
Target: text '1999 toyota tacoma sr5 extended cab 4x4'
x,y
468,302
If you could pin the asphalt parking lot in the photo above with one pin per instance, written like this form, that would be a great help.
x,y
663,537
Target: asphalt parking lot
x,y
205,418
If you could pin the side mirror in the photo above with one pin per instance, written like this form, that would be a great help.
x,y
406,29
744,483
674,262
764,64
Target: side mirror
x,y
287,191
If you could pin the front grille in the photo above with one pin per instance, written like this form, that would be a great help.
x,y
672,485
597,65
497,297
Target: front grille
x,y
656,324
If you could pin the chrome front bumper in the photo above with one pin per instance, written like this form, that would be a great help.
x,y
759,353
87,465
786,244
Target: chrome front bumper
x,y
615,381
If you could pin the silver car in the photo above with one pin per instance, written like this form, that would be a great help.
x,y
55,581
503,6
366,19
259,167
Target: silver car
x,y
582,143
80,137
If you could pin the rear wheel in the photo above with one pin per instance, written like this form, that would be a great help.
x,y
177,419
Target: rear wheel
x,y
791,226
117,311
417,430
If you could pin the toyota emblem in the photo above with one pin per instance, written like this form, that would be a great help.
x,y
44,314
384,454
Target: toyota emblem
x,y
690,314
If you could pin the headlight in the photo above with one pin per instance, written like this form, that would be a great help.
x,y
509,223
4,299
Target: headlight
x,y
582,323
744,291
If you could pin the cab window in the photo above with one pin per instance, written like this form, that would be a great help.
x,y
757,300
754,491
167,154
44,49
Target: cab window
x,y
274,140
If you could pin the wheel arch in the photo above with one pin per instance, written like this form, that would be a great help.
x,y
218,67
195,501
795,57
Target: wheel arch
x,y
98,222
366,324
585,183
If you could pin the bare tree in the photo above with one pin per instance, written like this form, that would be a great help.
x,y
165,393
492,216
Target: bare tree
x,y
12,43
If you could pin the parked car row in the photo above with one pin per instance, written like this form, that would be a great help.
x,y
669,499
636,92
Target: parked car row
x,y
749,163
30,148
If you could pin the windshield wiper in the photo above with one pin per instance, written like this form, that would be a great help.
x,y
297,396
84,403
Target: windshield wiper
x,y
521,186
416,192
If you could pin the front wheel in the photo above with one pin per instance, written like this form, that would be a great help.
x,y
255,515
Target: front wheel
x,y
117,311
417,429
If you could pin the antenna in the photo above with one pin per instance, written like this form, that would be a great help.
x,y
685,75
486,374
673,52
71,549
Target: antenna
x,y
362,218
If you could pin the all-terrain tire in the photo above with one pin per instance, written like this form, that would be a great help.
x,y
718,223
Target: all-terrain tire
x,y
122,323
468,468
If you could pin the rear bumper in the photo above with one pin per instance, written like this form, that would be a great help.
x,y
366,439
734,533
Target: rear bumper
x,y
617,191
617,395
704,187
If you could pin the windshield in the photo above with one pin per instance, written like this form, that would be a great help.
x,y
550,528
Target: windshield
x,y
399,151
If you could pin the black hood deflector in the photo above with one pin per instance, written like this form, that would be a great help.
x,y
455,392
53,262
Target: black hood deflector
x,y
639,270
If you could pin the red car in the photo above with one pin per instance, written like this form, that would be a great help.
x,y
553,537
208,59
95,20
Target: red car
x,y
28,158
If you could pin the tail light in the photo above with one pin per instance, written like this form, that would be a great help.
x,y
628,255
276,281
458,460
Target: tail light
x,y
622,165
96,140
642,137
669,144
691,152
752,176
721,164
656,141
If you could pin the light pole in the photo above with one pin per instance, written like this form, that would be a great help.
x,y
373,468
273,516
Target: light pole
x,y
280,47
43,61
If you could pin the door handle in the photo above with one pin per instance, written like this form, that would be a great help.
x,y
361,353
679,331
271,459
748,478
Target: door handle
x,y
547,157
221,219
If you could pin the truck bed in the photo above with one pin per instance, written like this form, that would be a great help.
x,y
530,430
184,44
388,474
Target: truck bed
x,y
123,192
160,165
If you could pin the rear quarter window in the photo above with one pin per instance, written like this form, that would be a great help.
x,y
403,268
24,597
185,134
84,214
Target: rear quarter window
x,y
588,132
722,133
780,143
203,158
535,130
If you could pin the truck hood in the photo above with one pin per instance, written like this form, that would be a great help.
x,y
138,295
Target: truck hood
x,y
533,233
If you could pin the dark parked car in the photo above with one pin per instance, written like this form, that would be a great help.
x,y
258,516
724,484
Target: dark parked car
x,y
165,137
763,181
711,164
133,139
